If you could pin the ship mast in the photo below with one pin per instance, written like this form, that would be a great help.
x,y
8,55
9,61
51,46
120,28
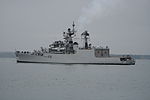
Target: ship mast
x,y
68,36
73,25
85,36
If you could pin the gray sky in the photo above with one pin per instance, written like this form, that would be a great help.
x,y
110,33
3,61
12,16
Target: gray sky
x,y
123,25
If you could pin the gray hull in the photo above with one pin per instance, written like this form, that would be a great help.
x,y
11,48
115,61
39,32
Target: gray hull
x,y
78,58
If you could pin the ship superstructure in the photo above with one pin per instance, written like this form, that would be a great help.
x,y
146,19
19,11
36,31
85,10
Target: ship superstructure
x,y
69,52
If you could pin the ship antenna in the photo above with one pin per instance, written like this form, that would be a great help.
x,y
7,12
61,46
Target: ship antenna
x,y
73,25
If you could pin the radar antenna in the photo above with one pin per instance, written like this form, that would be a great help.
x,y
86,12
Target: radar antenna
x,y
73,25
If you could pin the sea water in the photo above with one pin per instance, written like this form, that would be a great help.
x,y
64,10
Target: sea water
x,y
27,81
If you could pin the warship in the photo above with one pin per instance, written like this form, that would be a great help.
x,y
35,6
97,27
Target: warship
x,y
68,51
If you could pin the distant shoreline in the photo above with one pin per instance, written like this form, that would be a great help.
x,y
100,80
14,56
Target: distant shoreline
x,y
135,56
